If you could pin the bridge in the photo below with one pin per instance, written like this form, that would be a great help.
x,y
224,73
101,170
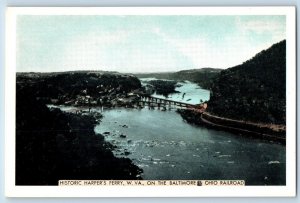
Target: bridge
x,y
147,100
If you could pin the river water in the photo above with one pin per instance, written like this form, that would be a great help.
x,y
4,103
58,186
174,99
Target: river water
x,y
168,148
188,92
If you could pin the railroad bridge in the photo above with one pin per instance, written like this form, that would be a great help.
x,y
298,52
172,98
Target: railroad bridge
x,y
147,100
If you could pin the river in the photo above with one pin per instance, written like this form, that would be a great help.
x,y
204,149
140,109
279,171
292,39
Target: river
x,y
168,148
188,92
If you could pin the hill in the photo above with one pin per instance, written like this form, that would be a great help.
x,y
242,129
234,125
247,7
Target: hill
x,y
78,87
253,91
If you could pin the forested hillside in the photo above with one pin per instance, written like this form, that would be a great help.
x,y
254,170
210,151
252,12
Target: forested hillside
x,y
255,90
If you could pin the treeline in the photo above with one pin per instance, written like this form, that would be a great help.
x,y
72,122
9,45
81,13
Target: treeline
x,y
71,84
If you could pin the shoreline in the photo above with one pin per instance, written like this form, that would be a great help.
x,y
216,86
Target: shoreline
x,y
276,133
262,131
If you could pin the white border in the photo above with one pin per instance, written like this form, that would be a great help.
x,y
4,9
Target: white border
x,y
54,191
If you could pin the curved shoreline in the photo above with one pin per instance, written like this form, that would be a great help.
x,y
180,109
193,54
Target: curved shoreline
x,y
275,133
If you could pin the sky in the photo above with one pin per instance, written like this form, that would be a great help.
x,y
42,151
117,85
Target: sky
x,y
142,43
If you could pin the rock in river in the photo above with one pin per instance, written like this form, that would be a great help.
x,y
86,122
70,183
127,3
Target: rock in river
x,y
123,136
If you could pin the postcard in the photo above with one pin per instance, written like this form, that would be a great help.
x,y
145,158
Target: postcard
x,y
150,102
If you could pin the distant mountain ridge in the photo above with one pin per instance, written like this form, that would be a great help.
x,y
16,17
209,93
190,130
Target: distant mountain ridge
x,y
255,90
202,76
